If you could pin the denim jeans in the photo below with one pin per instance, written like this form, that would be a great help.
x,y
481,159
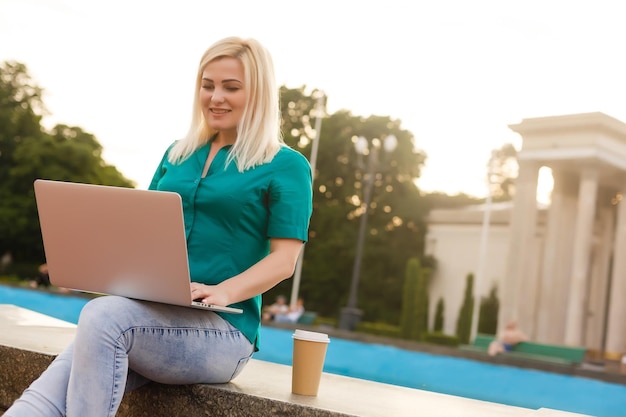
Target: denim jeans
x,y
121,344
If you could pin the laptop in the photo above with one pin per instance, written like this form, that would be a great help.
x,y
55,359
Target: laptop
x,y
115,240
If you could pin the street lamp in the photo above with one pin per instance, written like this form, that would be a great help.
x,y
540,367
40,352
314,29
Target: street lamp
x,y
319,110
482,253
351,315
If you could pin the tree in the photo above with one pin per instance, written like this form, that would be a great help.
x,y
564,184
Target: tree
x,y
438,325
395,224
28,152
414,319
504,170
410,311
423,303
488,316
464,321
21,109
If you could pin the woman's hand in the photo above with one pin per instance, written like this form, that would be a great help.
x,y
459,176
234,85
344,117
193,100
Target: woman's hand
x,y
209,294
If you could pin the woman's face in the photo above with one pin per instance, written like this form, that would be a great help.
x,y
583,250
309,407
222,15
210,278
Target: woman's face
x,y
223,96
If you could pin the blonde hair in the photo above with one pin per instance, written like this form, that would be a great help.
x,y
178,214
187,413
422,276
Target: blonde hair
x,y
258,133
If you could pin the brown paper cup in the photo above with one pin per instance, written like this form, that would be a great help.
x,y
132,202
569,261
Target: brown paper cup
x,y
309,353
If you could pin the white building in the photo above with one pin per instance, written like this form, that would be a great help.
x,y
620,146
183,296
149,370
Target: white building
x,y
561,269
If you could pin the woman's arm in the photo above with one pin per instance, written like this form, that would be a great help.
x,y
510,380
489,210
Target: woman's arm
x,y
260,277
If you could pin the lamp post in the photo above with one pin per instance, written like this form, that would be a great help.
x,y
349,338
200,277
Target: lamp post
x,y
482,252
351,315
319,110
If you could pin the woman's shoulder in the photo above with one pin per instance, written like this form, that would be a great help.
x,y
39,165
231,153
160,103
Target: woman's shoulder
x,y
288,155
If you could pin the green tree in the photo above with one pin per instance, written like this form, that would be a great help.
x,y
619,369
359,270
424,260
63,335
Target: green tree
x,y
488,316
439,319
21,109
423,306
414,319
464,321
395,222
410,311
28,152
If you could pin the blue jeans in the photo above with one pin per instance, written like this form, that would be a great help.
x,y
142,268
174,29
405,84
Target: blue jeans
x,y
122,344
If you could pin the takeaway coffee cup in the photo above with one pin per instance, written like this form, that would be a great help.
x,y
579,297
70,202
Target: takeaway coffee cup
x,y
309,353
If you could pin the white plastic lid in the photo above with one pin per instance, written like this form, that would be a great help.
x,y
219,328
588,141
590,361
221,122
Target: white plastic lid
x,y
311,336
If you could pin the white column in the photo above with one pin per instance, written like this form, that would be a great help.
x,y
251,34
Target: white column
x,y
523,226
556,273
598,286
547,289
616,329
583,233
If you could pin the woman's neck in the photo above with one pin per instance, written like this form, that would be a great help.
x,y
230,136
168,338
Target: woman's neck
x,y
224,138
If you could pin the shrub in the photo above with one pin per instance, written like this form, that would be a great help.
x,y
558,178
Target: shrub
x,y
464,321
325,321
438,326
379,329
488,316
442,339
23,271
414,319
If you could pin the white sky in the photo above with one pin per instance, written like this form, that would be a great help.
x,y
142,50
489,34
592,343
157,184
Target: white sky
x,y
456,72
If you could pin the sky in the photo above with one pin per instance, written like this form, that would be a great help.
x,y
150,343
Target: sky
x,y
457,73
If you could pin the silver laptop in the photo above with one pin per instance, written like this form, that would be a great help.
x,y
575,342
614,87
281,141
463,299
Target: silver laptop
x,y
115,240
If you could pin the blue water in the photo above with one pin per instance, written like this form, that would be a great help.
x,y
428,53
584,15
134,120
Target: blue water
x,y
471,379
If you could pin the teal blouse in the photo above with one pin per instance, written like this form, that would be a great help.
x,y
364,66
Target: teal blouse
x,y
230,216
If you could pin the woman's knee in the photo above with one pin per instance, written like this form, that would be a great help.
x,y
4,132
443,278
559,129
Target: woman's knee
x,y
105,310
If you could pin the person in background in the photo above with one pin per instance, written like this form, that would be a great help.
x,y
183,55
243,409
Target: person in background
x,y
247,200
279,307
511,336
292,314
42,279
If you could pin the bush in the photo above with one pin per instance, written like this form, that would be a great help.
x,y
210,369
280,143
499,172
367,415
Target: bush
x,y
442,339
464,321
22,271
488,316
414,319
379,329
325,321
438,326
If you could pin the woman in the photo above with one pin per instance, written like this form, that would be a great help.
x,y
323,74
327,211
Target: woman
x,y
247,204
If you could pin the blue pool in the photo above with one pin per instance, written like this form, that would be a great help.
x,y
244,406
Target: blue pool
x,y
471,379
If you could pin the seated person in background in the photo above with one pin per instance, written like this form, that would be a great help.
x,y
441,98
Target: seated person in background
x,y
43,279
292,315
511,336
279,307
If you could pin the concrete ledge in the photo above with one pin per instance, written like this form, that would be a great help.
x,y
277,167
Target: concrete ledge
x,y
262,389
21,367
